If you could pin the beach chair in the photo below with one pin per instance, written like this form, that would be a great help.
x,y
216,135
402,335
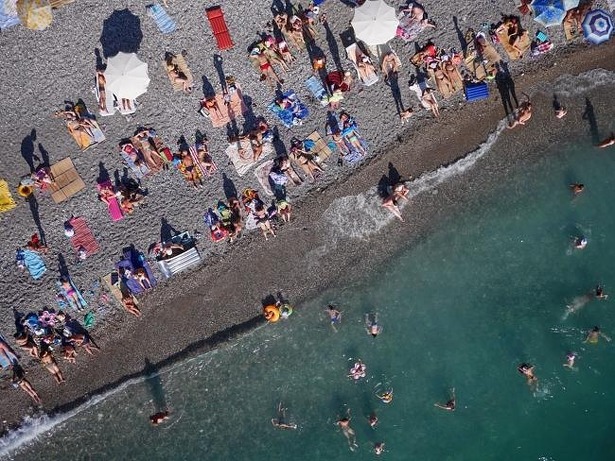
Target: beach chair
x,y
320,149
215,15
165,23
113,206
67,181
318,91
6,199
367,73
109,101
83,239
293,115
182,66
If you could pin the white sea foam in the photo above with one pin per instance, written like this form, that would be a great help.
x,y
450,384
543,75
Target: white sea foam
x,y
567,86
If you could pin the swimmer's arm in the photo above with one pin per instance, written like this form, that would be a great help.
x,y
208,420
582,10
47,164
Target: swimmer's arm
x,y
605,337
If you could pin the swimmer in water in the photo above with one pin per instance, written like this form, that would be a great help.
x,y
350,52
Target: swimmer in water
x,y
599,293
580,243
373,420
280,421
450,405
159,417
386,397
594,335
379,448
607,142
344,425
527,370
570,358
335,316
576,188
371,325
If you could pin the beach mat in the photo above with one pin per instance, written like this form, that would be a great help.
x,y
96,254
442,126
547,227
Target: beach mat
x,y
320,148
244,160
215,15
262,175
293,115
165,23
524,43
33,262
83,237
227,112
6,199
66,180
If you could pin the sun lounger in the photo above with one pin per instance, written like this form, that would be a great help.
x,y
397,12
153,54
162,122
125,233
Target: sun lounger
x,y
318,91
355,55
83,239
262,175
524,43
64,300
188,258
320,147
293,115
476,91
215,15
67,181
113,206
6,199
165,23
33,262
242,155
182,66
132,261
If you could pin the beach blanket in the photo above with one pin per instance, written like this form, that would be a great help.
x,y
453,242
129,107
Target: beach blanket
x,y
205,172
6,199
134,260
113,206
409,29
115,287
86,137
262,175
292,115
8,14
482,57
66,180
317,146
7,356
63,300
165,23
182,66
32,261
242,156
368,75
83,237
226,111
524,43
318,91
134,160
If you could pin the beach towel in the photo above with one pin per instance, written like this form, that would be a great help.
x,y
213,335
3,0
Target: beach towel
x,y
83,237
482,57
262,175
218,25
408,28
32,261
227,110
113,206
63,300
205,172
318,91
242,155
115,286
134,260
6,199
7,356
317,147
165,23
368,75
182,66
524,42
8,14
292,115
109,102
67,181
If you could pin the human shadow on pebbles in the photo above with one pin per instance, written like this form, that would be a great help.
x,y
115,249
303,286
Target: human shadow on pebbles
x,y
121,32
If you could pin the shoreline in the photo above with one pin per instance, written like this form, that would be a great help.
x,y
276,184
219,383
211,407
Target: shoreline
x,y
296,241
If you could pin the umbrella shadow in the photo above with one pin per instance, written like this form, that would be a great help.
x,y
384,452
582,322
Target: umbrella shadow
x,y
121,32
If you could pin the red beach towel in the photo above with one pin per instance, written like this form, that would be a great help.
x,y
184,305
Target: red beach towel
x,y
83,237
219,27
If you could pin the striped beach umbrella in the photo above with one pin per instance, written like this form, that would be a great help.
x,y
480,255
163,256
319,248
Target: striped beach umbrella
x,y
597,26
550,12
34,14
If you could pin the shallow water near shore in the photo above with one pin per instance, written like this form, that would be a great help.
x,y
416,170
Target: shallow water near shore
x,y
462,308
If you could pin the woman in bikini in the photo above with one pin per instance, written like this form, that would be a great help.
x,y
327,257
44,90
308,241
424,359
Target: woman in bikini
x,y
50,364
102,93
176,75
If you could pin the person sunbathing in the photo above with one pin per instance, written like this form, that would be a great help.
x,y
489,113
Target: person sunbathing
x,y
106,194
189,169
205,158
443,84
69,353
129,304
262,220
142,279
350,134
267,72
25,341
211,104
71,294
284,209
102,94
365,68
429,101
19,379
306,162
50,364
176,75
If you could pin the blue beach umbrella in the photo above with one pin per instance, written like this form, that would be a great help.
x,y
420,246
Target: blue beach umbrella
x,y
550,12
597,26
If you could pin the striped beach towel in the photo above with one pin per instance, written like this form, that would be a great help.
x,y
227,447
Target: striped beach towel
x,y
83,237
165,23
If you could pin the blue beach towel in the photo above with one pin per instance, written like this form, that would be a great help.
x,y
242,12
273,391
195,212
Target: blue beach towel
x,y
63,299
33,262
318,91
295,114
165,23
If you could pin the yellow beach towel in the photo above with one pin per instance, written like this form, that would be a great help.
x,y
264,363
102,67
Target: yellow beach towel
x,y
6,199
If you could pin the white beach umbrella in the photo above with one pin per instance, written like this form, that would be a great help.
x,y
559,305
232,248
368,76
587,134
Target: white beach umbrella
x,y
126,75
375,22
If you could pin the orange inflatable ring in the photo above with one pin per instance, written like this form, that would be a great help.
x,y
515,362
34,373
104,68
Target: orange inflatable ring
x,y
271,313
25,191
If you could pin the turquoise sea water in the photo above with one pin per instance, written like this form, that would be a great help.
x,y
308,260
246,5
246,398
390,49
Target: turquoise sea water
x,y
462,308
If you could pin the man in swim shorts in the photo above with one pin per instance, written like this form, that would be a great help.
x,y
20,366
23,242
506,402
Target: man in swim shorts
x,y
335,316
371,325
